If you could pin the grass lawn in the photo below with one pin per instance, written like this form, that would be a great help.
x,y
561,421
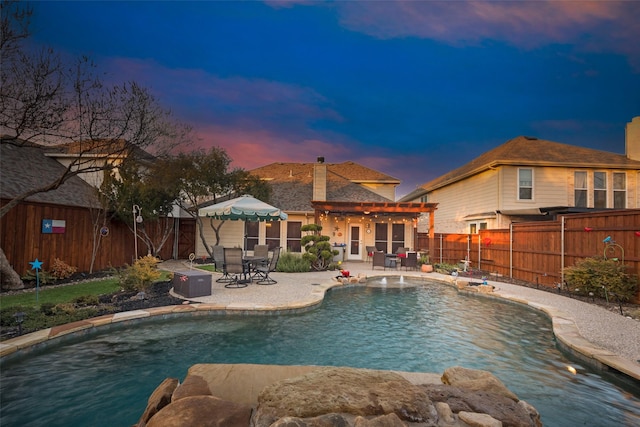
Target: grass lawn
x,y
66,293
60,294
211,267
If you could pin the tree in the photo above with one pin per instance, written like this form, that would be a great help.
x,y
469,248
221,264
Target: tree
x,y
152,193
204,176
45,100
317,247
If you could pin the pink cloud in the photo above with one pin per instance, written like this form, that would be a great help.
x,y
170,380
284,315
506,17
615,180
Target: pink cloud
x,y
252,148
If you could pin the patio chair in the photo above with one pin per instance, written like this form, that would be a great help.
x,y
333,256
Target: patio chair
x,y
410,261
235,268
402,252
262,251
218,259
263,270
370,251
379,259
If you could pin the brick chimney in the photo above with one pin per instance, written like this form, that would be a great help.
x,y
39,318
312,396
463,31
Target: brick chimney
x,y
320,180
632,139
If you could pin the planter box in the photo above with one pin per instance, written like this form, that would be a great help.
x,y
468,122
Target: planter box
x,y
192,284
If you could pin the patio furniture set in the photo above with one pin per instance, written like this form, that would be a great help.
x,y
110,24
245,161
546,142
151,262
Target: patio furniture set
x,y
403,257
239,269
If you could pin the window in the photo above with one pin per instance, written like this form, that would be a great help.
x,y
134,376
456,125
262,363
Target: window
x,y
600,190
251,231
525,184
294,235
580,189
473,227
382,230
273,234
619,190
397,237
424,199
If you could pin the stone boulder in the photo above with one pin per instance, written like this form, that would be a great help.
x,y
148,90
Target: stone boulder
x,y
202,411
508,412
193,385
160,398
360,392
476,380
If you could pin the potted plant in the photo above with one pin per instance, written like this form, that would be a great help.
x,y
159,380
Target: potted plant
x,y
425,265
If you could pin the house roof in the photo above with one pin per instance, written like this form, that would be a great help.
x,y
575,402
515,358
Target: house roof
x,y
529,151
25,167
292,184
114,148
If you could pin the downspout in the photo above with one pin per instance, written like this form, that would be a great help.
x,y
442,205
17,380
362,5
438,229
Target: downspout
x,y
440,248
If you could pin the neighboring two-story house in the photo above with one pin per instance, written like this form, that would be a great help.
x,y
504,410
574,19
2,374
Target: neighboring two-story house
x,y
354,204
533,179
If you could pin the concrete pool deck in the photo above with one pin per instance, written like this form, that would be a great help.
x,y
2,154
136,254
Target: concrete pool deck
x,y
594,334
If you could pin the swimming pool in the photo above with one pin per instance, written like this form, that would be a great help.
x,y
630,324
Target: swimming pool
x,y
105,378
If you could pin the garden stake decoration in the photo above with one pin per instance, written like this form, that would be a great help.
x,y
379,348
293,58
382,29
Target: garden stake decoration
x,y
36,265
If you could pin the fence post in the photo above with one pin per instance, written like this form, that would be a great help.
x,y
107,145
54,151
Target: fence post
x,y
511,250
562,251
479,253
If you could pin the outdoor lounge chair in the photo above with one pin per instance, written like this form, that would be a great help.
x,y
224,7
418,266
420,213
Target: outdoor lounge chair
x,y
379,258
263,271
410,261
235,268
218,259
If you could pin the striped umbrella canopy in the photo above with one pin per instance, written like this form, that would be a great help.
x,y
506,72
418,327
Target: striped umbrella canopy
x,y
243,208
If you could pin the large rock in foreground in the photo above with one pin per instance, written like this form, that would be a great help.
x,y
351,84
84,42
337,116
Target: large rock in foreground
x,y
344,390
311,396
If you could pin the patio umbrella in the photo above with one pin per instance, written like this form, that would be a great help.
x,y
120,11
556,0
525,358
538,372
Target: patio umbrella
x,y
243,208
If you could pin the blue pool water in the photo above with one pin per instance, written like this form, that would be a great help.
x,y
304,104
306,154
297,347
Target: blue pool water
x,y
104,379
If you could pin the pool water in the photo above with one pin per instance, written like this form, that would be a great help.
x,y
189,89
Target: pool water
x,y
105,378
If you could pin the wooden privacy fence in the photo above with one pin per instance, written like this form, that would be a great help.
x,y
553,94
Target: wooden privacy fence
x,y
23,241
536,252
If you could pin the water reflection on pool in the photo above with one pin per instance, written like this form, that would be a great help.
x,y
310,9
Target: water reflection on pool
x,y
105,379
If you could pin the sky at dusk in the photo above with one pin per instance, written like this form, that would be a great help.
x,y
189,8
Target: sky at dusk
x,y
410,88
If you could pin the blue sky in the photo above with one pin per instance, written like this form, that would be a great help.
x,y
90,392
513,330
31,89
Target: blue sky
x,y
410,88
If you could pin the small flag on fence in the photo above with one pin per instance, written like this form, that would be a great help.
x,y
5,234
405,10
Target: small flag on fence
x,y
53,226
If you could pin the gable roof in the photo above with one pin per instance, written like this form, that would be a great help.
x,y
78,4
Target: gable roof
x,y
529,151
292,184
25,167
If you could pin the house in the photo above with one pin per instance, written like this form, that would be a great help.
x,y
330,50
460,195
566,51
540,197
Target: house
x,y
354,204
84,238
533,179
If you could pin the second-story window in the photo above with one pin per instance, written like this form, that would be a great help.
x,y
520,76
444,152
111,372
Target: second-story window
x,y
600,190
619,190
525,184
580,189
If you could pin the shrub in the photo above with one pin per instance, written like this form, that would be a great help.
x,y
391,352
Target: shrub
x,y
602,277
290,262
141,275
62,270
318,249
44,277
86,300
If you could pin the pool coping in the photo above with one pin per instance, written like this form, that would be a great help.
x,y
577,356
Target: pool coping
x,y
563,325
